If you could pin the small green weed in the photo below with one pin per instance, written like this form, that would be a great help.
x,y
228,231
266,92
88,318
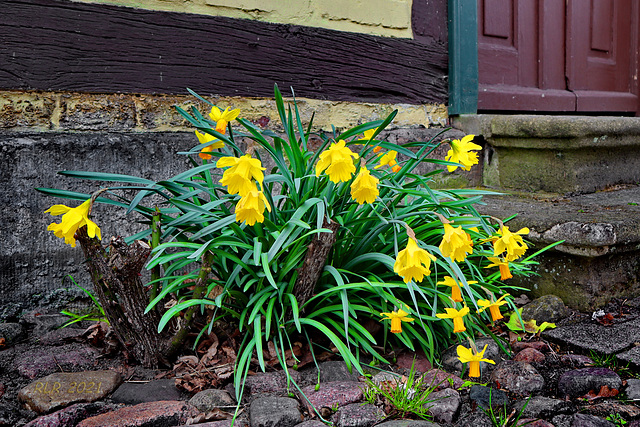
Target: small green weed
x,y
610,361
407,395
500,417
617,419
96,314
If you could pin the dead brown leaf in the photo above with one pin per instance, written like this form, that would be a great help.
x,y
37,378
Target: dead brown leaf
x,y
215,415
605,391
606,320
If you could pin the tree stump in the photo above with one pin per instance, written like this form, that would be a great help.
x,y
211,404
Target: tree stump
x,y
314,262
115,272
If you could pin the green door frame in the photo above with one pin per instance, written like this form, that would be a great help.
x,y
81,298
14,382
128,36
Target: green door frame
x,y
463,56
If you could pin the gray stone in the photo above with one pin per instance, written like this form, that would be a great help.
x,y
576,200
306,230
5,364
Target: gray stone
x,y
62,335
444,406
161,413
531,422
407,423
133,393
332,393
311,423
34,261
518,377
576,360
331,371
10,311
541,407
358,415
602,339
208,400
441,379
579,382
238,422
45,322
599,258
475,419
529,355
11,332
537,345
487,397
631,356
633,389
547,308
270,382
606,408
557,154
562,420
383,377
62,389
584,420
72,415
450,360
44,361
418,361
271,411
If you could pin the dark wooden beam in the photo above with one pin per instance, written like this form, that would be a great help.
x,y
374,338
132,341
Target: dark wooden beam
x,y
62,45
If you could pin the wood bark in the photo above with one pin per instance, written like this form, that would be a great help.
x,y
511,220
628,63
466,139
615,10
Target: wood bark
x,y
74,46
115,272
314,262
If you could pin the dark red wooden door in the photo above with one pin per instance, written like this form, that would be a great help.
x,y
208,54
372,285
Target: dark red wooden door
x,y
557,55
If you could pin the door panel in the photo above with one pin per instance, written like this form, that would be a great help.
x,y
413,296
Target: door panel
x,y
558,55
599,46
526,70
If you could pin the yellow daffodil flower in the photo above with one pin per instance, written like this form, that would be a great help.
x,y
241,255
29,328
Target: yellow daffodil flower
x,y
388,159
250,208
456,243
72,219
364,188
509,242
456,295
413,262
503,265
456,316
397,317
222,118
204,138
494,307
338,161
466,355
460,152
238,178
368,134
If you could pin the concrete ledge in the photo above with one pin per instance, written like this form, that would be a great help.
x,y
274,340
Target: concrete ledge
x,y
559,154
600,258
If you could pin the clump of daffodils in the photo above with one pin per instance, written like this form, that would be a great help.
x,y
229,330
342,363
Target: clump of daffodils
x,y
432,252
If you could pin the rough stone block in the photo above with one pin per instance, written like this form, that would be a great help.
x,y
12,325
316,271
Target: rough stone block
x,y
97,112
62,389
26,109
558,154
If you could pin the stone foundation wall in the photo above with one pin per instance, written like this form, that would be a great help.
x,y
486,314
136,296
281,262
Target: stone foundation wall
x,y
42,133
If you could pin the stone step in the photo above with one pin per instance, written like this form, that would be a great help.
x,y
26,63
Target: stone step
x,y
600,256
558,154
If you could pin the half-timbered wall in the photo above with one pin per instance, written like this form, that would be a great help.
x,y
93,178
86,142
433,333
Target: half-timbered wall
x,y
91,85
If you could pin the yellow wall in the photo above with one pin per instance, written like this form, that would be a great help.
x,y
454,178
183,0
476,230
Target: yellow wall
x,y
391,18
